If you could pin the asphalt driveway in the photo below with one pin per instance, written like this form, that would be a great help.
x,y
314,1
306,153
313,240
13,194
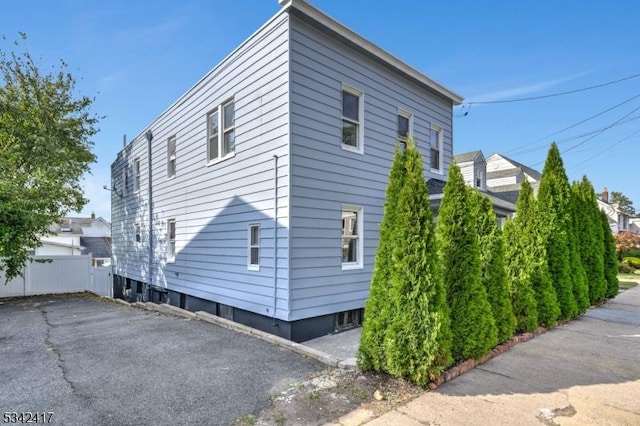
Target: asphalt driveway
x,y
95,362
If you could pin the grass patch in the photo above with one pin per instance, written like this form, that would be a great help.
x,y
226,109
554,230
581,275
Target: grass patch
x,y
314,394
627,281
246,420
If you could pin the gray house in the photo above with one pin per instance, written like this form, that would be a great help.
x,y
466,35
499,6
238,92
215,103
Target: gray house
x,y
258,194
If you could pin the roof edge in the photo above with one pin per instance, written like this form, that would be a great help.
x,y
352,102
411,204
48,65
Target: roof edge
x,y
324,19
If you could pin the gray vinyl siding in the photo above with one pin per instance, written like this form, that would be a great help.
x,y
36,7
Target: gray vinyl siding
x,y
324,176
213,204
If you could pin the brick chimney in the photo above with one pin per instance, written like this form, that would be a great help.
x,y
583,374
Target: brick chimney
x,y
605,195
93,215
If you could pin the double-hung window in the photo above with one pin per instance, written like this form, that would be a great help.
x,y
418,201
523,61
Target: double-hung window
x,y
221,134
352,237
171,157
254,247
404,125
436,149
352,119
171,240
136,175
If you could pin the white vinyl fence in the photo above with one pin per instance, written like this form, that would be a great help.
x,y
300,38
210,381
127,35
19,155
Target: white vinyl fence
x,y
64,274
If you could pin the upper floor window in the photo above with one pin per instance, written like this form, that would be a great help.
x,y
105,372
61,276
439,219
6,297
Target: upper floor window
x,y
138,232
351,237
436,149
171,157
136,175
221,131
254,247
352,119
404,124
171,240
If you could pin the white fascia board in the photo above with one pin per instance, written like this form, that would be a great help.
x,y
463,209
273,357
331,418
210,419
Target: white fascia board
x,y
333,25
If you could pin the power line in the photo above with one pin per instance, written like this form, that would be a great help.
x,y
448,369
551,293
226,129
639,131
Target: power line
x,y
551,95
607,149
527,145
601,131
597,133
574,137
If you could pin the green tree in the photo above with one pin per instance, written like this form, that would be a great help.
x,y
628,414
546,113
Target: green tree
x,y
473,327
624,203
553,209
577,221
417,340
528,267
610,258
378,309
591,240
494,272
44,152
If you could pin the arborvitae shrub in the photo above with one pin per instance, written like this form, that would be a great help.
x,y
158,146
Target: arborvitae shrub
x,y
553,209
494,272
473,327
610,257
416,340
378,311
590,238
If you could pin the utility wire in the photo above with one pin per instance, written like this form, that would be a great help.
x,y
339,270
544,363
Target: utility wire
x,y
528,145
607,149
551,95
575,137
601,131
597,133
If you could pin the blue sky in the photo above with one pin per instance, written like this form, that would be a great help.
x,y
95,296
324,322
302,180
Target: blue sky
x,y
136,58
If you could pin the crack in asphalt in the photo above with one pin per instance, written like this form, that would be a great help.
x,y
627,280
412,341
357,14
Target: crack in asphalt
x,y
494,372
61,363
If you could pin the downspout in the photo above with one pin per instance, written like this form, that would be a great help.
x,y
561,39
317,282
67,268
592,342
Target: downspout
x,y
275,237
149,137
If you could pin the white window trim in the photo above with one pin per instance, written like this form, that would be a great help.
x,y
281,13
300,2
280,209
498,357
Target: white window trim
x,y
360,139
219,110
409,116
173,157
440,134
171,257
348,266
137,175
250,266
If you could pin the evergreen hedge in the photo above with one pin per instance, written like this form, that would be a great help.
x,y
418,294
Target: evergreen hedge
x,y
576,223
591,239
494,273
415,338
610,257
553,210
378,311
473,327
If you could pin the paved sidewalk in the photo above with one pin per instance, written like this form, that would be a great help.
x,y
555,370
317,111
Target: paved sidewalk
x,y
586,372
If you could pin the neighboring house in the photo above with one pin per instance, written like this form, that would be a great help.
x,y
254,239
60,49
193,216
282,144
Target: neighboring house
x,y
634,225
473,167
79,235
619,221
258,194
505,176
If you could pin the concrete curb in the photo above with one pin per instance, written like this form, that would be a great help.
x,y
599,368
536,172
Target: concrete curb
x,y
271,338
330,360
470,364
